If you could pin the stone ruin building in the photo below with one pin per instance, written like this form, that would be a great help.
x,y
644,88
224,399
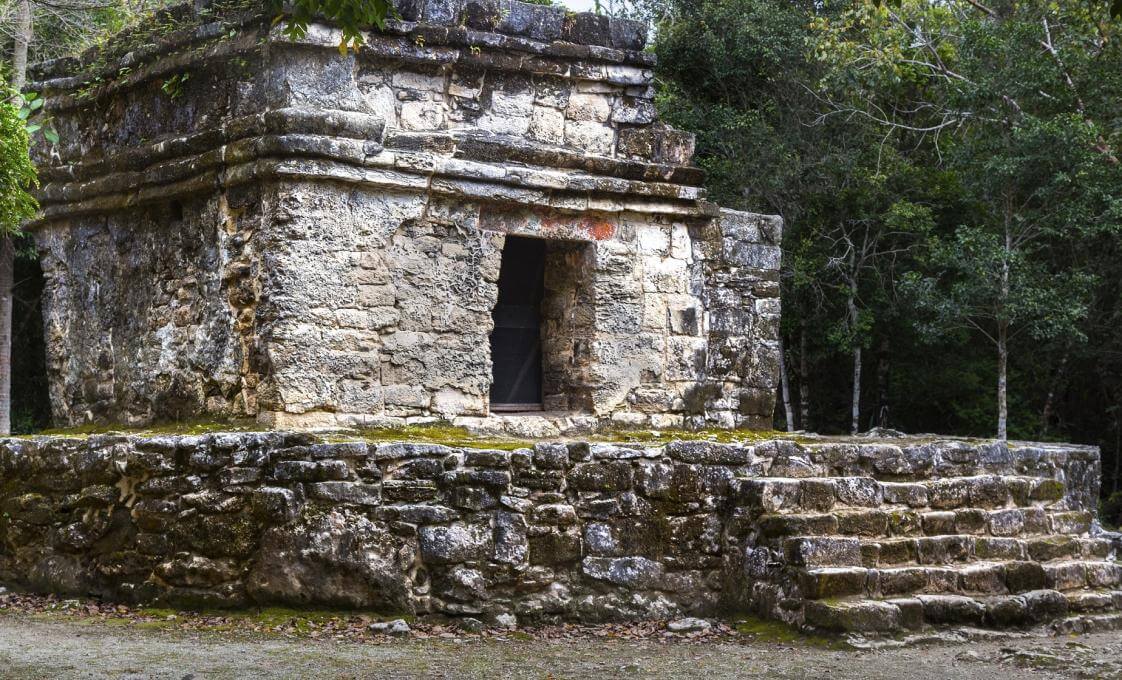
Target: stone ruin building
x,y
477,211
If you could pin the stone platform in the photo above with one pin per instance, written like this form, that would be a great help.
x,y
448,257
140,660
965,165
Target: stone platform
x,y
840,534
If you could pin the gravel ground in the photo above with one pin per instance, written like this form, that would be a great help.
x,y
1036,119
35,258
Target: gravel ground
x,y
48,645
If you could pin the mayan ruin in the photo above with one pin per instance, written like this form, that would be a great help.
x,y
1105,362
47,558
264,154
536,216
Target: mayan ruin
x,y
445,326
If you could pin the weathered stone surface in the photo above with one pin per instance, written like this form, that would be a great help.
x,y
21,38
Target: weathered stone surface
x,y
628,531
340,559
315,239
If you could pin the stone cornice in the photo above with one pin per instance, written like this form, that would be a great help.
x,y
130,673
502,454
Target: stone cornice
x,y
411,41
342,146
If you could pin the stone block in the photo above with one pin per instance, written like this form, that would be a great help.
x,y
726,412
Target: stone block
x,y
1104,575
1025,576
556,548
971,521
904,523
952,609
605,476
821,551
817,495
454,543
1007,522
982,578
901,581
1044,548
1066,576
770,495
948,494
859,492
912,495
897,552
819,584
938,523
865,616
639,573
310,471
355,493
988,492
551,456
793,525
1078,522
863,523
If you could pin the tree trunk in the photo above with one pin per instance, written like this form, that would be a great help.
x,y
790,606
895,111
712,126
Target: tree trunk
x,y
1003,329
1117,456
804,382
788,409
1002,381
855,419
21,42
7,274
851,306
1050,400
882,383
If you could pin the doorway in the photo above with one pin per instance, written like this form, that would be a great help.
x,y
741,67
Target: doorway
x,y
516,341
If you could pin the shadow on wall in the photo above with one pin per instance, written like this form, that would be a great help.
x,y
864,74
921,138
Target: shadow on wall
x,y
31,409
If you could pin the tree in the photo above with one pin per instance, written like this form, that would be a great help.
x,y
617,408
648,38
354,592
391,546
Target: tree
x,y
743,75
1019,99
17,176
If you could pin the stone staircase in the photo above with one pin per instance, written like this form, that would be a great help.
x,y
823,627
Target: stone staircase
x,y
891,552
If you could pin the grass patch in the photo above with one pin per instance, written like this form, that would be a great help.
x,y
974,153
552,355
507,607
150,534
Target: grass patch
x,y
179,427
434,433
777,632
648,436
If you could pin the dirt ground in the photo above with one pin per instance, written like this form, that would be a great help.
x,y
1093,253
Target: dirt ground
x,y
39,645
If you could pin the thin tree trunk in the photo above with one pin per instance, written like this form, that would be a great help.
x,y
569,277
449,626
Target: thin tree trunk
x,y
1003,330
7,274
21,42
1002,382
1049,401
882,383
788,410
855,420
804,381
851,305
1117,455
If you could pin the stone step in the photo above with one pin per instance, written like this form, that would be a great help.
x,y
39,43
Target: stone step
x,y
1004,611
877,523
821,494
849,551
978,578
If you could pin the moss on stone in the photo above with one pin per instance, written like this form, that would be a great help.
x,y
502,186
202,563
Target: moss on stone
x,y
770,631
443,433
179,427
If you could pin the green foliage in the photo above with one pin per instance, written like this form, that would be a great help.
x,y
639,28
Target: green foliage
x,y
914,126
173,86
352,16
17,173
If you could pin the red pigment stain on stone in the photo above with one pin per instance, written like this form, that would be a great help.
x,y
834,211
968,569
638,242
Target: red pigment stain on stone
x,y
600,230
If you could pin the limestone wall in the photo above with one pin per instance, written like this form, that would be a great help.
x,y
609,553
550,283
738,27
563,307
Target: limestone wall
x,y
237,223
571,530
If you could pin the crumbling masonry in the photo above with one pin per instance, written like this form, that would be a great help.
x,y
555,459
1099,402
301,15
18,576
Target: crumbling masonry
x,y
476,212
237,223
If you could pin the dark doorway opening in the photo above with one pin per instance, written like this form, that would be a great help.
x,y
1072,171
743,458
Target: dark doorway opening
x,y
31,407
516,342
